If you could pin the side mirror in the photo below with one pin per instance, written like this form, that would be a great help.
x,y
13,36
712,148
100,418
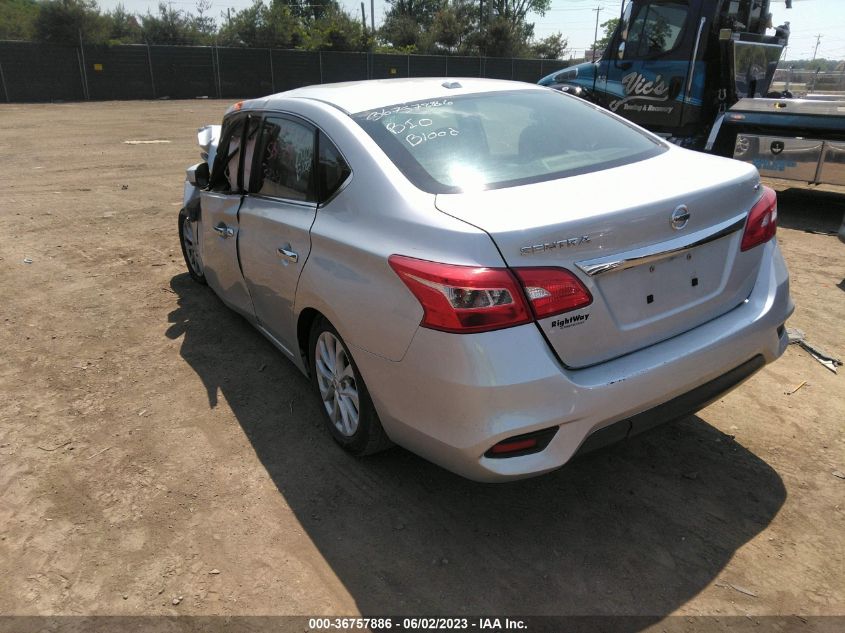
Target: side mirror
x,y
198,175
620,55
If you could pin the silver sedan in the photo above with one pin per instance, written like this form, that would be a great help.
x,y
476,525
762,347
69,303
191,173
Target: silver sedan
x,y
491,274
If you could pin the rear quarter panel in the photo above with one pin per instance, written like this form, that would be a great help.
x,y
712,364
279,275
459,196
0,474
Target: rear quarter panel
x,y
377,213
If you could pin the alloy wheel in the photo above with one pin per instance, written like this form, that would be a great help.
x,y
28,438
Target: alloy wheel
x,y
336,382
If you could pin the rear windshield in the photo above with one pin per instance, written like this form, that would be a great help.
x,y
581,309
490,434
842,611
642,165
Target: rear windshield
x,y
502,139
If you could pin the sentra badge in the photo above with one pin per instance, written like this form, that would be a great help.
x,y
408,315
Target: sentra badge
x,y
569,242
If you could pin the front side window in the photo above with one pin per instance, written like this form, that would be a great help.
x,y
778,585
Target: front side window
x,y
232,166
224,177
502,139
656,29
287,160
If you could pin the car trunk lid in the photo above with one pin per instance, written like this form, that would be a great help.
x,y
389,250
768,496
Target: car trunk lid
x,y
657,244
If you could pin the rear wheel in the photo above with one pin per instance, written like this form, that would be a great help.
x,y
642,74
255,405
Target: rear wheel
x,y
345,402
189,239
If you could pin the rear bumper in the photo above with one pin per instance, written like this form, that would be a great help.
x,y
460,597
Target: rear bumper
x,y
676,408
453,396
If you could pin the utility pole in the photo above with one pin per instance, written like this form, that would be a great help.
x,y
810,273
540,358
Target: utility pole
x,y
373,15
363,16
818,41
598,11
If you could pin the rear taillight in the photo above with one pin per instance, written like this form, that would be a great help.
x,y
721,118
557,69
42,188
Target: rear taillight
x,y
466,299
762,221
463,299
553,290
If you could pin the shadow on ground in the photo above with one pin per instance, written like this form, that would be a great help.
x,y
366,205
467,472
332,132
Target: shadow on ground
x,y
810,210
639,528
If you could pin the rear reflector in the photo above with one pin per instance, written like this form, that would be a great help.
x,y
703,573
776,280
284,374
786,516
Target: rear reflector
x,y
513,446
526,444
762,222
552,291
463,299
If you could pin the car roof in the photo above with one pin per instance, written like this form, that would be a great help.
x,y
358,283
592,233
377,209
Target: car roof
x,y
360,96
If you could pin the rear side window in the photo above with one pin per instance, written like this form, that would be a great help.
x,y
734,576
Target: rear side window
x,y
332,170
502,139
287,160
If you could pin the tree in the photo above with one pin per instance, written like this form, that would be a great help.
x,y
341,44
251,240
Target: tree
x,y
609,28
447,29
170,26
123,27
336,31
204,24
246,27
65,21
309,10
285,27
408,24
515,11
423,11
505,38
507,32
402,31
455,25
274,26
551,47
17,19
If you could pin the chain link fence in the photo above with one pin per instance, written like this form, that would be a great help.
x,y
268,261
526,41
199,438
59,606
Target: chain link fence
x,y
37,72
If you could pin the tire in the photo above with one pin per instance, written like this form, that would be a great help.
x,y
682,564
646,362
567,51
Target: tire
x,y
333,372
188,231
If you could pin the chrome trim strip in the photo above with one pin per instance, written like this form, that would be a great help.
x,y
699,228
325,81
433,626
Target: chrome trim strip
x,y
692,60
272,338
714,132
663,250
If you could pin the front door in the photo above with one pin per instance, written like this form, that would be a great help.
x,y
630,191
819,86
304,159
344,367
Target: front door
x,y
643,75
275,222
220,206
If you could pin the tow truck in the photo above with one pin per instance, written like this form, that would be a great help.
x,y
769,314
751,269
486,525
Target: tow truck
x,y
699,73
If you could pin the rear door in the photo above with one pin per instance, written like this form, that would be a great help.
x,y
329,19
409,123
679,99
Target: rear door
x,y
276,218
220,206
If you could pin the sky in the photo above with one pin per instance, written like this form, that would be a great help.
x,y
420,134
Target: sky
x,y
576,20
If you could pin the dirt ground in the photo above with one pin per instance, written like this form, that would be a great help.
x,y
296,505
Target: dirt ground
x,y
153,446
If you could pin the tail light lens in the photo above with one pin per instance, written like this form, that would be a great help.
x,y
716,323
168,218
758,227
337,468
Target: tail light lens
x,y
552,291
463,299
762,221
466,299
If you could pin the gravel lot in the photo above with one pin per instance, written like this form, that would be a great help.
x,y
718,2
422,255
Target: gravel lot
x,y
150,438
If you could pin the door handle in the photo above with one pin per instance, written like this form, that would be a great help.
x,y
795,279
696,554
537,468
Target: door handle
x,y
224,231
290,256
